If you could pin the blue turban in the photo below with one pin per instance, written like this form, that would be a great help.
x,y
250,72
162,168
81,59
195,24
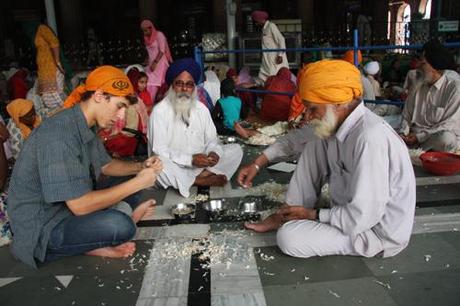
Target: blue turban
x,y
179,66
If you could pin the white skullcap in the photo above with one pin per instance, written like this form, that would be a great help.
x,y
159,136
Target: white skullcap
x,y
372,68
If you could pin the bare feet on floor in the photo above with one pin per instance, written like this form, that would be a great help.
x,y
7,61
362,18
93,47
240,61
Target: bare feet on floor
x,y
120,251
211,180
271,223
145,209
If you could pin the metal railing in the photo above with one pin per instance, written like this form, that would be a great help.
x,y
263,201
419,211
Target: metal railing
x,y
199,58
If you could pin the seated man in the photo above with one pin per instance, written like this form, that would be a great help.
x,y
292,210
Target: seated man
x,y
54,208
182,133
368,168
431,115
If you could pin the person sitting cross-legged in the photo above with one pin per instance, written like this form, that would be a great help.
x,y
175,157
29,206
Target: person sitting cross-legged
x,y
182,133
431,114
54,205
367,166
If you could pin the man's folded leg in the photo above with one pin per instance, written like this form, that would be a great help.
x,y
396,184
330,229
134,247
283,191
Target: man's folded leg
x,y
77,235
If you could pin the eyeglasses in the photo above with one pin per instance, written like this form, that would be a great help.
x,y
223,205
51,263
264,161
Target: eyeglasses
x,y
182,84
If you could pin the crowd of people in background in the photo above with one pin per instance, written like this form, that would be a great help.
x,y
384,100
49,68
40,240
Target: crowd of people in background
x,y
429,87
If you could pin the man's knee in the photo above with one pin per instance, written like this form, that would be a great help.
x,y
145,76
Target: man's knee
x,y
118,225
288,241
448,140
441,141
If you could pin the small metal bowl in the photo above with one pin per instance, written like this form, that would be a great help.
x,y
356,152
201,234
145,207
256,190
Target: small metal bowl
x,y
216,209
250,205
215,205
183,211
230,139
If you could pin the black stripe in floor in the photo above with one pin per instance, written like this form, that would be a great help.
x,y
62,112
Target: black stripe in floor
x,y
199,287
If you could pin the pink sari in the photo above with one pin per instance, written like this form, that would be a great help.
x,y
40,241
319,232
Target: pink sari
x,y
155,44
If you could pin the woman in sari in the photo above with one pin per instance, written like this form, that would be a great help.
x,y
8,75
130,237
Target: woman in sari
x,y
159,57
50,71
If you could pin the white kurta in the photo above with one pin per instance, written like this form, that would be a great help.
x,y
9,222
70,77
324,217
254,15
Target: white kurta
x,y
379,109
176,143
433,109
272,39
372,190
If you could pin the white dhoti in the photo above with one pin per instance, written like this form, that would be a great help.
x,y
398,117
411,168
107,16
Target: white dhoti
x,y
305,238
182,177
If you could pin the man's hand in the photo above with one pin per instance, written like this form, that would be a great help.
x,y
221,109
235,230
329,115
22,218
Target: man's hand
x,y
200,160
279,59
153,162
410,140
213,159
147,177
297,213
246,175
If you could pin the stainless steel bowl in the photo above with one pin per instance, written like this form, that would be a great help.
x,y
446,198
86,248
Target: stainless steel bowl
x,y
250,205
183,211
230,139
215,205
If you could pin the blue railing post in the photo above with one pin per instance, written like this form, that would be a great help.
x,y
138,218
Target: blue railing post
x,y
355,47
198,54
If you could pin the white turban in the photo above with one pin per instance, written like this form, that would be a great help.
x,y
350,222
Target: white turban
x,y
372,68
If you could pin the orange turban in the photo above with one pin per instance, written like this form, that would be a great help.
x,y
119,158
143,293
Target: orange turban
x,y
349,57
330,82
18,108
109,79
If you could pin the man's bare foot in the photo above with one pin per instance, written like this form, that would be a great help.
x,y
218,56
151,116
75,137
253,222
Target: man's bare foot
x,y
120,251
211,180
271,223
145,209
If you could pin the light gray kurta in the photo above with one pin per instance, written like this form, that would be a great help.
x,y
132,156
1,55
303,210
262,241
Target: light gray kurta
x,y
433,109
290,144
372,191
272,39
176,143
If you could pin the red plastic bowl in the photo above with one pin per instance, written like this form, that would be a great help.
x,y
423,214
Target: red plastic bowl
x,y
441,163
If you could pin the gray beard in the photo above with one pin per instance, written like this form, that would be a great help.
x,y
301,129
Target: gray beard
x,y
327,126
183,104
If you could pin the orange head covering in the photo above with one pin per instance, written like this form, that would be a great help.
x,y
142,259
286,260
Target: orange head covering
x,y
330,82
348,56
109,79
18,108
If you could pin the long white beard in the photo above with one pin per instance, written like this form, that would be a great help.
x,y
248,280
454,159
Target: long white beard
x,y
326,126
183,104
